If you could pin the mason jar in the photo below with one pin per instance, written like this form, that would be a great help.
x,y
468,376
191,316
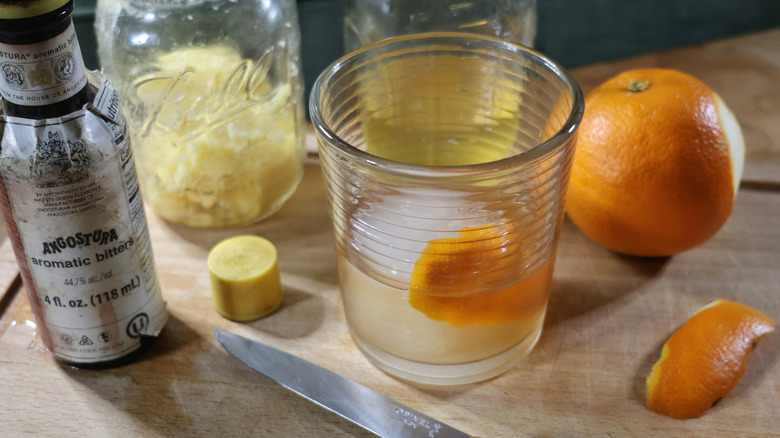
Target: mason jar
x,y
369,21
213,94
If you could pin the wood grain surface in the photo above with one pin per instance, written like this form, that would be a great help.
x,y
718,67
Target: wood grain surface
x,y
608,318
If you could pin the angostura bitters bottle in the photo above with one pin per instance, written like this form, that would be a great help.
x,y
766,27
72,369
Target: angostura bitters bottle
x,y
69,194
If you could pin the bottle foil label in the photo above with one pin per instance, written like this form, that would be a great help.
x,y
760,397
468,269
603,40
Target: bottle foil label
x,y
43,73
74,196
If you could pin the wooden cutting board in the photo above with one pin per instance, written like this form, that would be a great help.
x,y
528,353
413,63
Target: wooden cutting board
x,y
608,317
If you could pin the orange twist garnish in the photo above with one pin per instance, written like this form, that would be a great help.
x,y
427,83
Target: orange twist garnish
x,y
454,279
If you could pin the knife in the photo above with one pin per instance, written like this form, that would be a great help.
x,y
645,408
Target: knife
x,y
363,406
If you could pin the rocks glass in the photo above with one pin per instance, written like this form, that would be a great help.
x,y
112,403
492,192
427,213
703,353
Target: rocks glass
x,y
446,158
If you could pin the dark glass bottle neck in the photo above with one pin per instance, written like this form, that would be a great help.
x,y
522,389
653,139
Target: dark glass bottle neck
x,y
34,30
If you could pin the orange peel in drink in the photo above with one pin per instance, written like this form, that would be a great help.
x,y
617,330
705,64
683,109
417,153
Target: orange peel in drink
x,y
462,280
704,359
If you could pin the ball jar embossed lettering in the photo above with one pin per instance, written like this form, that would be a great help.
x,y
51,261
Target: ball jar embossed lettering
x,y
213,94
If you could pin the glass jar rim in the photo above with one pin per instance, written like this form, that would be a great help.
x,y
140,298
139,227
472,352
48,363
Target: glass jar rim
x,y
560,138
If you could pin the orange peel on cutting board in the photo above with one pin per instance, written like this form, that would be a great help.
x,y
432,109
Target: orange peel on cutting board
x,y
704,359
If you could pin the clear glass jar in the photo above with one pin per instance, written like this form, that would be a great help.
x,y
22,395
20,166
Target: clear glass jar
x,y
368,21
213,95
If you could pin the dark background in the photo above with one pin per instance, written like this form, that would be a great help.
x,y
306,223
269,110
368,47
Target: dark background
x,y
572,32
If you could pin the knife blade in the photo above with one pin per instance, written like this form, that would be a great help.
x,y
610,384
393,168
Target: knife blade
x,y
363,406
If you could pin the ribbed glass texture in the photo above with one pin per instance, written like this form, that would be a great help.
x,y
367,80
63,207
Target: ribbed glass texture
x,y
446,159
422,137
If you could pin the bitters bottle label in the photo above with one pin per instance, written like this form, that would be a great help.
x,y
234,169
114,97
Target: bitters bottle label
x,y
76,201
43,73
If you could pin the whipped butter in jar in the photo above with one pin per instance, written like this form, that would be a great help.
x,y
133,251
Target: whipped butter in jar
x,y
213,93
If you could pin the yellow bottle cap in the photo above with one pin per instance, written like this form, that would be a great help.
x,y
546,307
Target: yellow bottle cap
x,y
245,278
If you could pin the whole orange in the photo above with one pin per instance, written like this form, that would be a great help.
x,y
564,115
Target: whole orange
x,y
658,163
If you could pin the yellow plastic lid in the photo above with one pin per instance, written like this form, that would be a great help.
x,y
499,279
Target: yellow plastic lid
x,y
245,279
